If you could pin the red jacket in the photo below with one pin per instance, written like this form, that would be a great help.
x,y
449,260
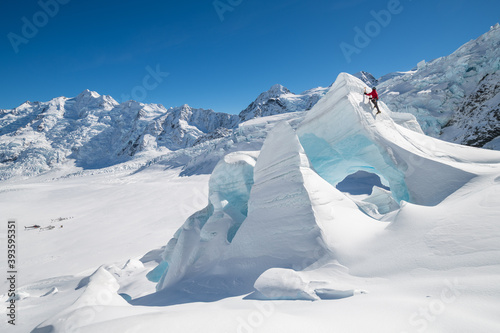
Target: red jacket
x,y
373,94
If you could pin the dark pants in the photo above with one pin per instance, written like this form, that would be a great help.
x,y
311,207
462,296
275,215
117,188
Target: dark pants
x,y
374,101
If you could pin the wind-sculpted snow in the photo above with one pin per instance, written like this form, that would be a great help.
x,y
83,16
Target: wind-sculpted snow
x,y
100,289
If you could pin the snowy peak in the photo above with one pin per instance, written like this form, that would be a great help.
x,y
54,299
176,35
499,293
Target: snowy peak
x,y
184,126
274,92
94,131
279,100
88,98
277,90
88,94
367,78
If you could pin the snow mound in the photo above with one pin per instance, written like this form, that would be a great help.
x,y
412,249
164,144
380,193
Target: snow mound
x,y
324,280
279,283
100,291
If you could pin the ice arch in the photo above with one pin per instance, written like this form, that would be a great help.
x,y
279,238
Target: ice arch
x,y
335,163
341,135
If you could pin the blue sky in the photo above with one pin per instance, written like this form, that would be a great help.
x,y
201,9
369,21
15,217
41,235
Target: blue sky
x,y
219,58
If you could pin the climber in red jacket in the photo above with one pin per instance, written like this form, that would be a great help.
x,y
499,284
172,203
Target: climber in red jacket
x,y
374,98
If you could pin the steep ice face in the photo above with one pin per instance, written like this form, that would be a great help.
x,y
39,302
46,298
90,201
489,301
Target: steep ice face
x,y
279,194
337,150
279,100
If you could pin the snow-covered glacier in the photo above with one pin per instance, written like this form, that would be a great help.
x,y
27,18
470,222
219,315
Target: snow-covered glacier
x,y
276,227
280,209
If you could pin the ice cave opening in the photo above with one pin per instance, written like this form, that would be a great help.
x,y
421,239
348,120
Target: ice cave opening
x,y
361,182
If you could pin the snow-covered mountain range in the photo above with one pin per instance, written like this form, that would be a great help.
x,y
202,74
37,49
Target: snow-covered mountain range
x,y
455,98
94,131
